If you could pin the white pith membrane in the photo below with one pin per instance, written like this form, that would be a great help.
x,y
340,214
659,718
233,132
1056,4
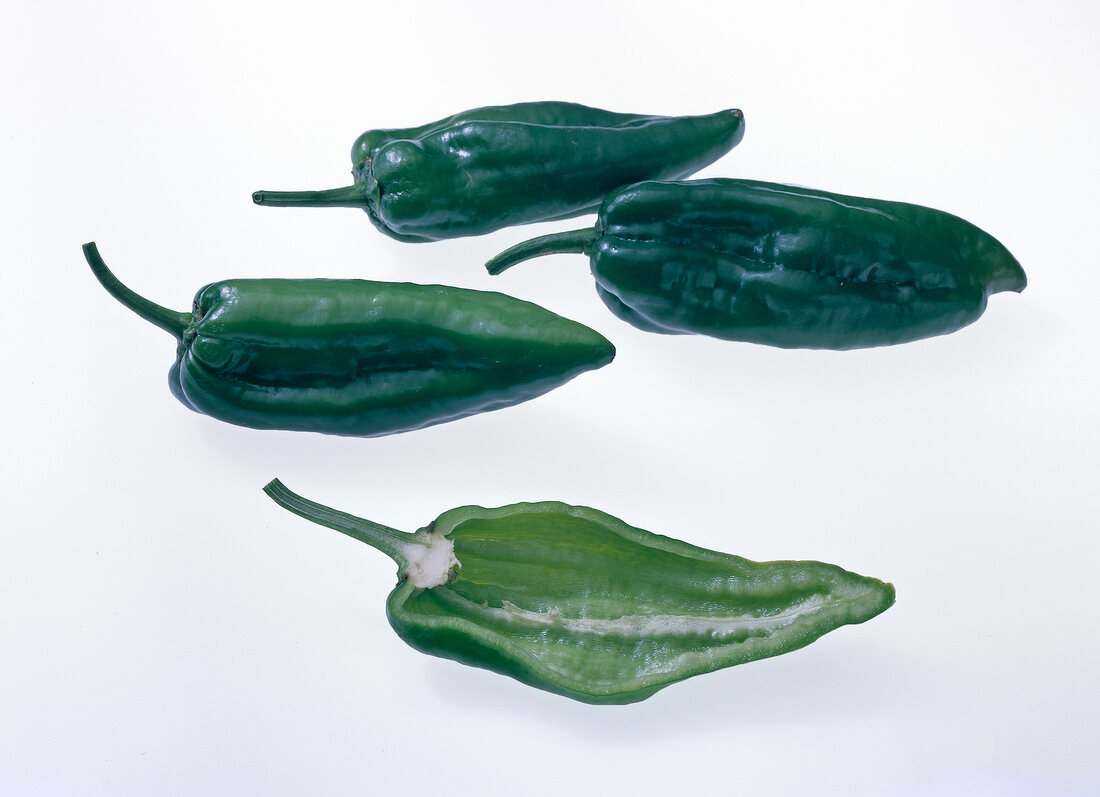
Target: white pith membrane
x,y
665,624
657,626
431,561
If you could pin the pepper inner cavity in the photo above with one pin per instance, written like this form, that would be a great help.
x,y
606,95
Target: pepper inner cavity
x,y
584,570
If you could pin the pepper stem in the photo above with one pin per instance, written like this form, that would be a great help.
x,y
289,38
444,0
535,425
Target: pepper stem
x,y
168,320
395,544
350,196
573,242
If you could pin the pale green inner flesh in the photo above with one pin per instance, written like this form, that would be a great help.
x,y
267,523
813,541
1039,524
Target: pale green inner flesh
x,y
573,599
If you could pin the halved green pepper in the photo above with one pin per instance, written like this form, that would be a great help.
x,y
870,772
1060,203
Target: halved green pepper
x,y
782,265
574,601
494,167
361,358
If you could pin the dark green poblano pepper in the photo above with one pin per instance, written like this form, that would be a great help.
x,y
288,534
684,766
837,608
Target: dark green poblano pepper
x,y
495,167
361,358
574,601
781,265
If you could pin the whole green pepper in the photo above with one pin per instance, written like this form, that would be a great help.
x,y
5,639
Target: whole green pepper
x,y
574,601
494,167
352,357
781,265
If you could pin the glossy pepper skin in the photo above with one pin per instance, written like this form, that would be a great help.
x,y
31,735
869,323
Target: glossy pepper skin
x,y
574,601
360,358
489,168
783,266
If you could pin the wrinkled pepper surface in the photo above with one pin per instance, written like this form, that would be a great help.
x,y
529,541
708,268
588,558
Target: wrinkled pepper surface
x,y
494,167
782,265
361,358
574,601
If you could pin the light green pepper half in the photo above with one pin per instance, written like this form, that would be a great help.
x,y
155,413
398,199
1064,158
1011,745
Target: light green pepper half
x,y
574,601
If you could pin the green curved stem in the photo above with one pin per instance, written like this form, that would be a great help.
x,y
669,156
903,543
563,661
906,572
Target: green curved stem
x,y
350,196
168,320
389,541
572,242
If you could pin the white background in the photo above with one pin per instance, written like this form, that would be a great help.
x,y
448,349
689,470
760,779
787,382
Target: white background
x,y
166,629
